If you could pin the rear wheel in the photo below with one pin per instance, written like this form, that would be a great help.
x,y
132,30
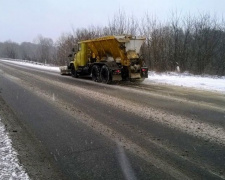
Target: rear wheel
x,y
106,75
95,73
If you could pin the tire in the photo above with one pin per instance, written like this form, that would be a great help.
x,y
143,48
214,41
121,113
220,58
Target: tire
x,y
106,75
73,71
95,73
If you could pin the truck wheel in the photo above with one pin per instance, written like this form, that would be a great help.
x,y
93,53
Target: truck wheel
x,y
106,75
95,73
74,72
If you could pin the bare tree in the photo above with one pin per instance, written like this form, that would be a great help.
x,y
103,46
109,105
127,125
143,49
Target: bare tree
x,y
64,44
148,25
10,49
28,51
122,24
45,48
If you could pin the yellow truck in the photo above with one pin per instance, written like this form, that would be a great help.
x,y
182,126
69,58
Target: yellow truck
x,y
107,59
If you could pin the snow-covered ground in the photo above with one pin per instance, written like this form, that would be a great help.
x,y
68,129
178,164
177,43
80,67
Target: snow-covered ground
x,y
10,168
211,83
29,64
206,82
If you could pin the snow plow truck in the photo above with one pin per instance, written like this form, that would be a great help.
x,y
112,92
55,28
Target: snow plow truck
x,y
108,59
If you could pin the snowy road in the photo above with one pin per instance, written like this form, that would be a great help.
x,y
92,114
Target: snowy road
x,y
125,131
204,82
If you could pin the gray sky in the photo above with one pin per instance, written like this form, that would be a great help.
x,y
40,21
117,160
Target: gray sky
x,y
23,20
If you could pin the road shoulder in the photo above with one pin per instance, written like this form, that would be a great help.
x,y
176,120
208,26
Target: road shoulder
x,y
31,154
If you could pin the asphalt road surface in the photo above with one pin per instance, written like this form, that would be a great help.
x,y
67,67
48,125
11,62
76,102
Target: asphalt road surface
x,y
68,128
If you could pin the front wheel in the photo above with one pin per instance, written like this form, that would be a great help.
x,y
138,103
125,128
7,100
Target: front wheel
x,y
106,75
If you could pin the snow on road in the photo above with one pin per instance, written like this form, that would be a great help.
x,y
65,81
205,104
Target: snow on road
x,y
9,164
37,66
211,83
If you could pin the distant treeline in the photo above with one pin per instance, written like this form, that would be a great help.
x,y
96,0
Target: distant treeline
x,y
196,44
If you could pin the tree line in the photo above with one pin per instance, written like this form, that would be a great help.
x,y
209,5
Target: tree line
x,y
195,44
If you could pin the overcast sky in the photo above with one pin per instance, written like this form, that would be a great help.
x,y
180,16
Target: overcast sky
x,y
24,20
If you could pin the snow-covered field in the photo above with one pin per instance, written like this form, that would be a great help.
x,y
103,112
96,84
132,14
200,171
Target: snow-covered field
x,y
9,165
211,83
206,82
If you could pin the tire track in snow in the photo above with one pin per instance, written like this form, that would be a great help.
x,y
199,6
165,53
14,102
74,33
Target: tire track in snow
x,y
195,128
121,104
192,127
118,138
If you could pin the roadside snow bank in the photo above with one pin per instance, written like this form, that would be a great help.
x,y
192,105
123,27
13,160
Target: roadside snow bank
x,y
34,65
206,82
187,80
9,164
